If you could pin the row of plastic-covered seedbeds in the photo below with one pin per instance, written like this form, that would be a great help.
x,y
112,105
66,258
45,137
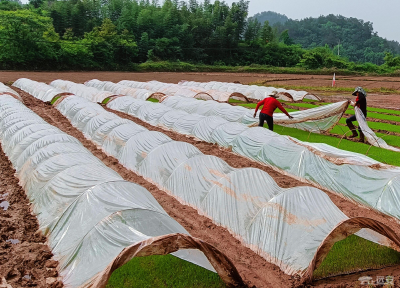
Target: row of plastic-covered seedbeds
x,y
268,219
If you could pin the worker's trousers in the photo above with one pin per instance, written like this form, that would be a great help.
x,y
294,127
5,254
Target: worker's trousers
x,y
269,119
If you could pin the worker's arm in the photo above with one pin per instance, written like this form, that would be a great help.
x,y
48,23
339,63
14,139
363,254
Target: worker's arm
x,y
283,109
258,105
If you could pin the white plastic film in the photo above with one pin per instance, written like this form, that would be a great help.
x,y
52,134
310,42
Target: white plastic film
x,y
89,213
369,134
245,201
39,90
253,91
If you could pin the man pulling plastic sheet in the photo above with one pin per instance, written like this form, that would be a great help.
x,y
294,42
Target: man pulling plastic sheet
x,y
269,106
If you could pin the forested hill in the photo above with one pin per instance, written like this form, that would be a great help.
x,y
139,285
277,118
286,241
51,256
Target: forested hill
x,y
271,17
358,41
132,34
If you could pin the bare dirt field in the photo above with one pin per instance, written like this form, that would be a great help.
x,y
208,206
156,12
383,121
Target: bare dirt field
x,y
254,269
175,77
374,100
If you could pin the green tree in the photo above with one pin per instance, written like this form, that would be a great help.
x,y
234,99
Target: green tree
x,y
267,33
285,38
109,47
28,39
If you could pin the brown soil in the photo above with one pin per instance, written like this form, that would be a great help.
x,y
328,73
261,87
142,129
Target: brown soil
x,y
254,269
30,257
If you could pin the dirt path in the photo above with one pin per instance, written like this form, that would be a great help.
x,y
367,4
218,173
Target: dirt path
x,y
254,269
26,263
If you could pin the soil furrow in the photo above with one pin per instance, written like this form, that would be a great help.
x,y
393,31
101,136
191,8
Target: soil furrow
x,y
26,263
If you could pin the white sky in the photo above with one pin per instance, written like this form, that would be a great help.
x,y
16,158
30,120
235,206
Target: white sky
x,y
384,14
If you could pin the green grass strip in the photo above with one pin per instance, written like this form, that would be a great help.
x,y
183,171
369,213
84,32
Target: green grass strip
x,y
163,271
379,154
377,126
377,116
354,254
105,101
153,100
304,105
55,99
235,101
381,110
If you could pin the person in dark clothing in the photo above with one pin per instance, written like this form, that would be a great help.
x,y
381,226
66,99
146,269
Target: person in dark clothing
x,y
361,102
269,106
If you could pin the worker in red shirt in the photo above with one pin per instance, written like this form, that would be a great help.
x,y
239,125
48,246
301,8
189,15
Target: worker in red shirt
x,y
269,106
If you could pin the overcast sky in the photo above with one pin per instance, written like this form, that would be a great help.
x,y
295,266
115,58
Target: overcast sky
x,y
384,14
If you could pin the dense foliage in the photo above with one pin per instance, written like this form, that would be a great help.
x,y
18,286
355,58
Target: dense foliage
x,y
357,39
120,34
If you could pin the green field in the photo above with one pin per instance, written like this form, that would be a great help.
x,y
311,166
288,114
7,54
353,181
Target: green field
x,y
163,271
354,254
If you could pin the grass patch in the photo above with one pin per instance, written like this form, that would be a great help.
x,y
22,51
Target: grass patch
x,y
379,154
105,101
304,105
377,126
377,116
355,254
168,66
163,271
55,99
231,100
153,100
381,110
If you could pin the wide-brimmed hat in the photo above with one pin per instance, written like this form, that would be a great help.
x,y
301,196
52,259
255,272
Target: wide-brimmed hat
x,y
359,90
274,94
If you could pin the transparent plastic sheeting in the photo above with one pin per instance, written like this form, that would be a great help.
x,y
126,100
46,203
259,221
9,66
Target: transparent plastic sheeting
x,y
119,89
252,91
170,89
268,219
90,93
39,90
7,90
88,212
352,175
317,120
369,134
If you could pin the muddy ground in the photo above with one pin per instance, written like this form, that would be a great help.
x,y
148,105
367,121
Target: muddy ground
x,y
254,269
25,261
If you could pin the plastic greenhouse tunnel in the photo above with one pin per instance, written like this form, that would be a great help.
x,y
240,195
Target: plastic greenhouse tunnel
x,y
65,183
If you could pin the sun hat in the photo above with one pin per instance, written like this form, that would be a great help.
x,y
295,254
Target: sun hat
x,y
359,90
274,94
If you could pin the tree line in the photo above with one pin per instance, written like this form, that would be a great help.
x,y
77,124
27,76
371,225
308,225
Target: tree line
x,y
118,34
352,38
